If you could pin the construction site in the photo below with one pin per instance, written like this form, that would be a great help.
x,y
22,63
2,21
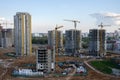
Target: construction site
x,y
9,63
22,60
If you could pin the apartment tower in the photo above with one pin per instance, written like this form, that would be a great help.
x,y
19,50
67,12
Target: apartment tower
x,y
52,40
97,44
72,41
22,34
45,61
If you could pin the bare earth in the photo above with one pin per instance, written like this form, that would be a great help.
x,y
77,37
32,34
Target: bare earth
x,y
92,75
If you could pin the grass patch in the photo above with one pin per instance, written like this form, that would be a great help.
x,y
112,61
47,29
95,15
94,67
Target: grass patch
x,y
104,66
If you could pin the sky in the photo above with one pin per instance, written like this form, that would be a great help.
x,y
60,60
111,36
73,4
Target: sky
x,y
47,13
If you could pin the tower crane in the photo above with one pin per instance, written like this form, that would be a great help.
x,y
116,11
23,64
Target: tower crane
x,y
101,25
74,21
6,23
75,25
56,37
101,39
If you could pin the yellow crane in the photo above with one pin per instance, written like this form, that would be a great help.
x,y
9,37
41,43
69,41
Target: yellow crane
x,y
74,21
101,39
75,25
56,37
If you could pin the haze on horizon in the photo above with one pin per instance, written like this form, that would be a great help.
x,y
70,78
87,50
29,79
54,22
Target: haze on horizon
x,y
47,13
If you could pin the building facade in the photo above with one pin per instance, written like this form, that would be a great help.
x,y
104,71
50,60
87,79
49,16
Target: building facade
x,y
97,44
45,60
7,38
22,34
72,41
0,36
52,39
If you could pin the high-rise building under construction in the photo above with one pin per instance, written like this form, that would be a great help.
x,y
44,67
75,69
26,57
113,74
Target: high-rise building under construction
x,y
7,38
97,44
72,41
45,61
22,33
54,39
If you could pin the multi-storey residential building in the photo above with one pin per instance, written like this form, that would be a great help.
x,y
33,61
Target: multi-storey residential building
x,y
52,39
72,41
7,38
97,44
45,60
22,33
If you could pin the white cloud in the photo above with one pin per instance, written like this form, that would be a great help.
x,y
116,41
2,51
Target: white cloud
x,y
108,18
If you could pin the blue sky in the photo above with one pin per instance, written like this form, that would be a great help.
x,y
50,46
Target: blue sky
x,y
47,13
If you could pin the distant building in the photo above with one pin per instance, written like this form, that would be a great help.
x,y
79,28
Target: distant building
x,y
39,35
97,44
52,39
111,35
72,41
117,45
22,33
113,45
110,44
45,60
116,34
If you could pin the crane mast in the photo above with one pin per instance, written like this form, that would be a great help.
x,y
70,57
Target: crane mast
x,y
101,38
74,21
75,25
56,37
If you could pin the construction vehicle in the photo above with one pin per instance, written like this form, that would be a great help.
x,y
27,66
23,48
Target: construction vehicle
x,y
101,49
75,25
56,37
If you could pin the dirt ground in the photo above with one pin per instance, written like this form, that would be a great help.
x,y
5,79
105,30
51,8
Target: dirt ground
x,y
92,75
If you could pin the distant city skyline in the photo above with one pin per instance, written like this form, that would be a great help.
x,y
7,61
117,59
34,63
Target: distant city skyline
x,y
47,13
